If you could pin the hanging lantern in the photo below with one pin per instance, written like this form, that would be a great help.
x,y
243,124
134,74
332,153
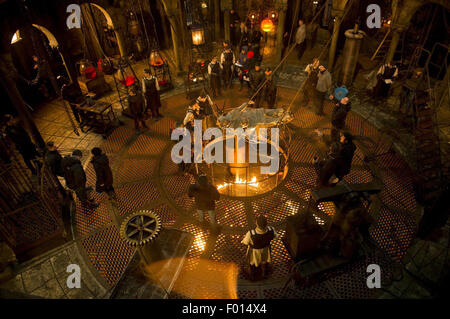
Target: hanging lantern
x,y
106,66
125,74
156,59
267,25
198,36
133,25
160,70
87,69
204,9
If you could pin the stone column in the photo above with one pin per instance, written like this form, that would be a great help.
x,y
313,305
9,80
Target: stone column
x,y
176,49
171,10
217,19
334,39
353,42
226,6
281,7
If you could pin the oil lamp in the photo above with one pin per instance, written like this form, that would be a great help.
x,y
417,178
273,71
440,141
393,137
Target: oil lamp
x,y
267,25
198,36
160,70
125,73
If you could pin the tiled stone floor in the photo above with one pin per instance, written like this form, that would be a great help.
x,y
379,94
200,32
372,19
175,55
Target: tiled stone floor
x,y
46,277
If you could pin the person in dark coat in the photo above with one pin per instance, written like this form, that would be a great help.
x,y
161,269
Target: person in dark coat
x,y
309,90
227,59
339,116
386,75
234,26
327,168
255,42
103,173
205,195
17,134
215,71
205,104
42,78
243,63
348,149
243,36
257,78
136,106
270,89
150,89
72,94
76,177
53,160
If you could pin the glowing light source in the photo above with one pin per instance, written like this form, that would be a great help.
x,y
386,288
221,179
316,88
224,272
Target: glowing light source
x,y
267,25
199,242
16,37
155,58
198,37
240,181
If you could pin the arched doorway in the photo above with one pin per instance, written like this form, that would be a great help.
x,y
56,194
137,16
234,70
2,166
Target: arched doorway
x,y
99,33
26,43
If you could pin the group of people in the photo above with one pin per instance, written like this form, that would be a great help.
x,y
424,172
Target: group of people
x,y
260,83
144,101
69,167
257,240
317,86
337,164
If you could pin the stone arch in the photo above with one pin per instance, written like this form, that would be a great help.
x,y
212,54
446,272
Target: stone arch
x,y
53,42
110,23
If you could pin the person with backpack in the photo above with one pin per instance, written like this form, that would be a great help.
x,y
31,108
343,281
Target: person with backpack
x,y
205,195
76,178
258,252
